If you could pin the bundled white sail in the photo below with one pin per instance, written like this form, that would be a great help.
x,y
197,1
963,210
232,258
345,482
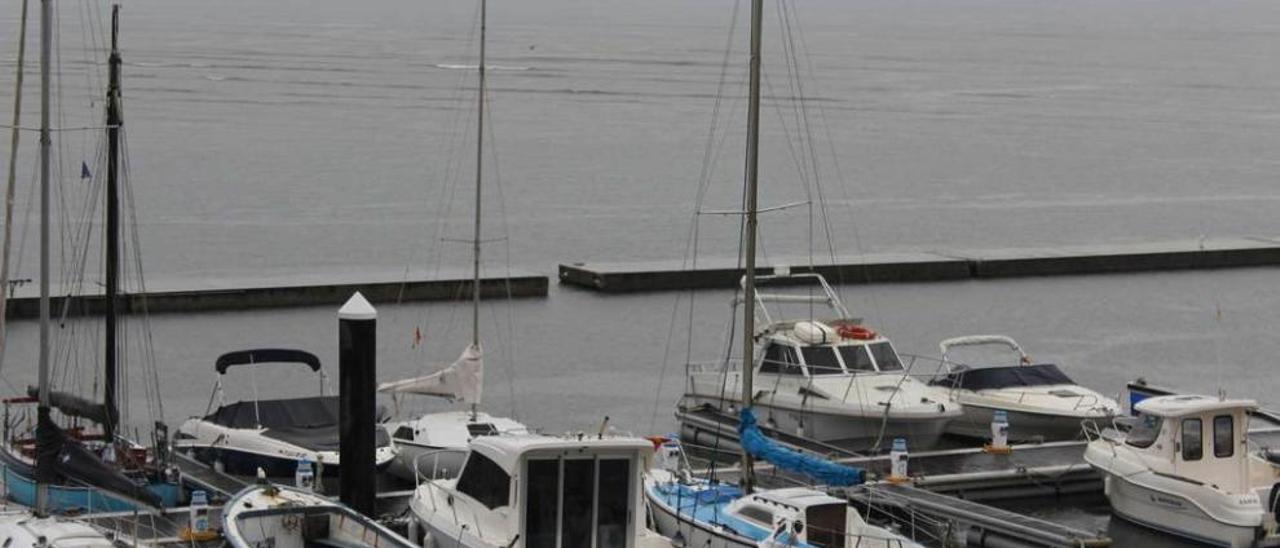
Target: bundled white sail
x,y
462,381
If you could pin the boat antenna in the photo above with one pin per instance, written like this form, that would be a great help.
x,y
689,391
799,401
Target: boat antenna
x,y
475,243
114,121
749,239
44,423
13,176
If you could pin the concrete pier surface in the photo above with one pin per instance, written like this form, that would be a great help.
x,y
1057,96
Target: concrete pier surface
x,y
204,296
939,265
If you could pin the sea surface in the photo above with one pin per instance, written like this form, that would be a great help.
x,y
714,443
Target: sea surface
x,y
276,141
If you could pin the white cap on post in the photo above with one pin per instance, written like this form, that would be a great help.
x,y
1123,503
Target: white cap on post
x,y
357,308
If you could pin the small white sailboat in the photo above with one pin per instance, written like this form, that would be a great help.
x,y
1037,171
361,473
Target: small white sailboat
x,y
273,435
833,380
434,444
271,515
1185,468
1040,400
533,491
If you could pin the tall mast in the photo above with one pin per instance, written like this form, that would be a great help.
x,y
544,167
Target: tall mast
x,y
475,243
749,238
11,185
44,468
114,119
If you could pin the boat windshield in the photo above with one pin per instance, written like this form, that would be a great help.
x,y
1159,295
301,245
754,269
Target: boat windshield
x,y
856,358
1144,432
886,357
821,360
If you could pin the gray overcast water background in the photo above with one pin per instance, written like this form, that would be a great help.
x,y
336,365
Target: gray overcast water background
x,y
288,140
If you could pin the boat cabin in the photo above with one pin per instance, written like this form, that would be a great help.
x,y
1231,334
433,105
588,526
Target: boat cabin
x,y
814,348
811,517
542,492
1198,438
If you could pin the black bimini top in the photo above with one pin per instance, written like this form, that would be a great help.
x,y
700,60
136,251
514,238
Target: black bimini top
x,y
266,355
306,422
986,378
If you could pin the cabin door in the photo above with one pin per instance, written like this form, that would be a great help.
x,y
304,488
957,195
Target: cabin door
x,y
1194,458
579,503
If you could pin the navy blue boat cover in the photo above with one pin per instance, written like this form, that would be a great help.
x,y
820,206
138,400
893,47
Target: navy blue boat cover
x,y
985,378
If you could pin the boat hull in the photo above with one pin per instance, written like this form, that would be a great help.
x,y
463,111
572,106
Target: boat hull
x,y
21,488
1023,426
433,462
1174,515
246,463
852,432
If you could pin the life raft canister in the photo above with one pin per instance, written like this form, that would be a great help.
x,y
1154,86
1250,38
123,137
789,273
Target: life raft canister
x,y
856,332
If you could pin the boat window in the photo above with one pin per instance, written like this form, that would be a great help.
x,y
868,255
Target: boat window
x,y
780,360
886,358
758,515
1192,439
1224,436
485,481
826,525
1145,431
856,358
542,502
821,360
615,498
579,499
404,433
477,429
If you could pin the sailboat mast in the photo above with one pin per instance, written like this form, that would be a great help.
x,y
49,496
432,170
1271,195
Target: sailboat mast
x,y
11,185
44,468
114,119
475,243
749,238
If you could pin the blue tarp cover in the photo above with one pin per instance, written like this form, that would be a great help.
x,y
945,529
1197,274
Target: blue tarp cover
x,y
816,468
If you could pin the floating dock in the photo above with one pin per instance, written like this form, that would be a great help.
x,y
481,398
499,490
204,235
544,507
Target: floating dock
x,y
930,266
26,303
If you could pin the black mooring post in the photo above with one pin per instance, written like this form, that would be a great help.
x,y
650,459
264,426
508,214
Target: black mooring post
x,y
357,372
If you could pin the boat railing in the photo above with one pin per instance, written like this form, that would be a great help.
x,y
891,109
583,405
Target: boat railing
x,y
435,455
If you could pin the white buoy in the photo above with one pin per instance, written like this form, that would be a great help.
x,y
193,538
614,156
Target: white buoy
x,y
898,460
305,477
199,518
999,432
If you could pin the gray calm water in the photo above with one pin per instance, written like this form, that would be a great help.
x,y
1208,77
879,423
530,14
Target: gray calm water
x,y
321,139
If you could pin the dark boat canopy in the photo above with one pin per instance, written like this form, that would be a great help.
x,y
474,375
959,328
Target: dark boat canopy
x,y
306,422
984,378
266,355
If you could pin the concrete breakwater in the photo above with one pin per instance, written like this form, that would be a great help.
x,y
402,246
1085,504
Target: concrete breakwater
x,y
928,266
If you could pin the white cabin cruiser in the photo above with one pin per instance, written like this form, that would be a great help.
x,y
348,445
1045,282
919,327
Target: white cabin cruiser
x,y
272,435
1185,468
1040,400
832,380
532,491
284,517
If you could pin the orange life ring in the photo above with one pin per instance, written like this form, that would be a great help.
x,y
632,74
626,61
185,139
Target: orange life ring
x,y
856,332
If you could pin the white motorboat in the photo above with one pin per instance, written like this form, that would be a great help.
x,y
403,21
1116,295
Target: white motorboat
x,y
22,529
272,435
271,515
1185,467
527,491
832,380
1040,400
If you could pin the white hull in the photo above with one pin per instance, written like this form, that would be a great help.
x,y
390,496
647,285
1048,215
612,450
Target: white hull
x,y
852,431
1023,426
1175,515
668,525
